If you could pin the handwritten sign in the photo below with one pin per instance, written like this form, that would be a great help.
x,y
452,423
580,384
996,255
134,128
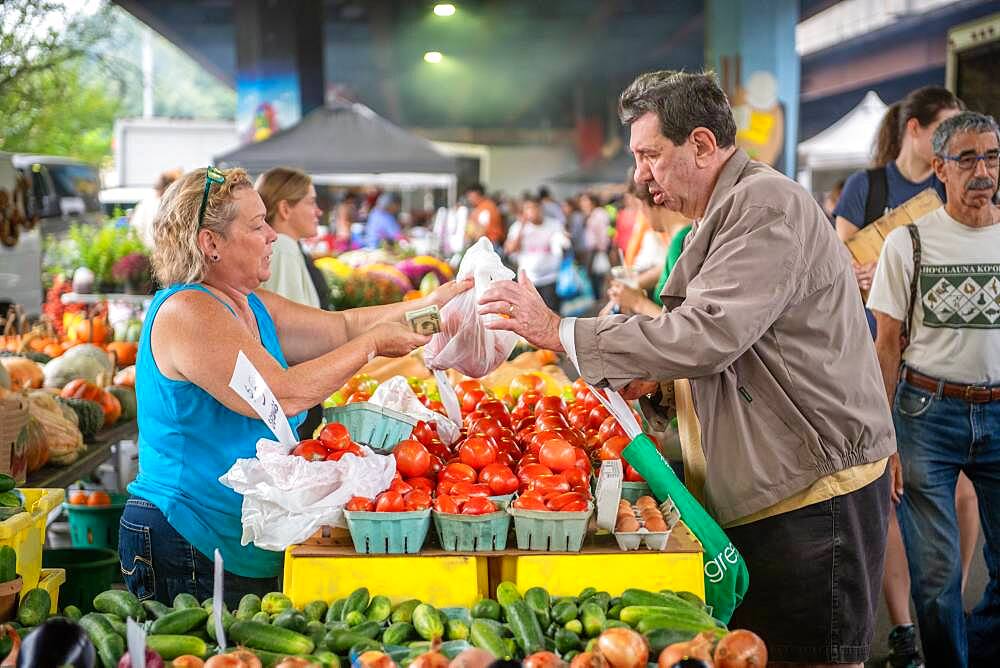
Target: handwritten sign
x,y
249,384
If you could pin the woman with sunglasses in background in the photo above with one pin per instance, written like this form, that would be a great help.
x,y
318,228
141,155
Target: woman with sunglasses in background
x,y
213,251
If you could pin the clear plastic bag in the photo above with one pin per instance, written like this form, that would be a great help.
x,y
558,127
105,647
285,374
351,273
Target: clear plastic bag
x,y
464,343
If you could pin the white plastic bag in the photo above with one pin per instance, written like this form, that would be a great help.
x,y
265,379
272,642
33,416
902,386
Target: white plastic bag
x,y
286,498
464,343
397,394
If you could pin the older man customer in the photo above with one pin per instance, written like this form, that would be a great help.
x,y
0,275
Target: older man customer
x,y
938,287
760,312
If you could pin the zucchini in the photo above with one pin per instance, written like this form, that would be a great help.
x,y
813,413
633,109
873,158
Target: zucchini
x,y
333,613
73,613
427,622
249,606
404,611
398,633
487,609
539,601
593,618
315,611
356,602
507,593
178,622
185,600
271,638
109,645
172,646
379,609
34,607
483,636
120,602
154,609
525,627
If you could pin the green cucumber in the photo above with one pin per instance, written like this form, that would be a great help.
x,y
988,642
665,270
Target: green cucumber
x,y
356,602
315,611
249,606
227,620
328,659
292,620
500,629
487,609
169,647
10,499
615,611
355,618
483,636
379,609
364,645
593,618
567,641
368,629
427,622
633,597
120,602
7,483
271,638
185,600
603,599
260,617
117,623
334,612
178,622
659,639
456,629
691,598
8,564
398,633
404,611
574,625
34,607
539,601
563,611
614,624
586,593
507,593
275,603
316,632
73,613
524,624
633,614
109,645
678,622
154,609
340,642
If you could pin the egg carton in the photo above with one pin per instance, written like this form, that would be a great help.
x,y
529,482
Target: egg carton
x,y
654,540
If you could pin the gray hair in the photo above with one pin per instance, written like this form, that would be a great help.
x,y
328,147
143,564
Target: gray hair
x,y
682,102
967,121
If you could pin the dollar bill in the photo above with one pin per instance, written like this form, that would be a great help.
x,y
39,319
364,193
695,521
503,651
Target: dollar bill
x,y
425,320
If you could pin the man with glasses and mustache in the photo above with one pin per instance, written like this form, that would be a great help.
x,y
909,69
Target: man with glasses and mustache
x,y
936,297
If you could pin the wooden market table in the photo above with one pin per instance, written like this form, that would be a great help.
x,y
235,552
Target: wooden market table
x,y
98,451
444,579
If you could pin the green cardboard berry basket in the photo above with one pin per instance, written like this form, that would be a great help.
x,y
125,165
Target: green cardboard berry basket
x,y
548,531
372,425
473,533
388,533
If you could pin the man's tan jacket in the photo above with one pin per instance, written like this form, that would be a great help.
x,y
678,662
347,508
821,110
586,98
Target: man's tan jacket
x,y
762,313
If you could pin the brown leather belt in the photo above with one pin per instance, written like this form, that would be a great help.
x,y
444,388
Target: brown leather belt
x,y
974,394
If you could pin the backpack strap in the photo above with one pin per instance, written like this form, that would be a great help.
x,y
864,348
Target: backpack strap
x,y
878,194
914,286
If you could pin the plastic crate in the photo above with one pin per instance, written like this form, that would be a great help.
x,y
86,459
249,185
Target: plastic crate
x,y
96,526
50,581
546,531
25,532
377,427
388,533
473,533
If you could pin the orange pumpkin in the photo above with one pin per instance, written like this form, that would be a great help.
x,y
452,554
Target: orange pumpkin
x,y
92,330
111,406
82,389
24,373
124,351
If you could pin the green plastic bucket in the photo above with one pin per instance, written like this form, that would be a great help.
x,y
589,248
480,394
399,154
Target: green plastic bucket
x,y
388,533
89,571
95,526
377,427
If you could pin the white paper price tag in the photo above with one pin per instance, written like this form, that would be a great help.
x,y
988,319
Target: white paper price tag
x,y
217,601
136,636
249,384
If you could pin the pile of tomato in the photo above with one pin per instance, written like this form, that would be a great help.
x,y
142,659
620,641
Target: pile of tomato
x,y
333,443
539,447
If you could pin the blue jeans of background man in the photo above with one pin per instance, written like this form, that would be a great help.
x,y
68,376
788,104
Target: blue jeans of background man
x,y
158,563
937,438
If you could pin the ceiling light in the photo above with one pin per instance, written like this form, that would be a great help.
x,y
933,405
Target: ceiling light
x,y
444,9
433,56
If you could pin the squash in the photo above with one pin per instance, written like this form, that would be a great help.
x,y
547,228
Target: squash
x,y
53,350
24,374
111,406
126,397
62,437
91,330
124,351
126,377
81,389
85,361
90,415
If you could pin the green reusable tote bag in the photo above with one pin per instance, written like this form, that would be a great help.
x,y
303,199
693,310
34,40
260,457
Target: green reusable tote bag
x,y
726,575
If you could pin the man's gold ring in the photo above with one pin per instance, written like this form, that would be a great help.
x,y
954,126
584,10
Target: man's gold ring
x,y
511,309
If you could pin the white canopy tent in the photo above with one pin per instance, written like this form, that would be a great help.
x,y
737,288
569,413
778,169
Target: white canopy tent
x,y
844,147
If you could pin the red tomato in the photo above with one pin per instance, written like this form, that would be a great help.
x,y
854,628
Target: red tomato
x,y
471,399
412,458
477,452
389,501
488,426
631,475
495,409
612,448
444,488
547,484
336,455
552,404
574,507
360,503
557,454
578,480
591,401
531,471
579,417
438,450
466,386
335,436
446,504
437,407
478,505
597,416
583,462
560,501
311,450
401,486
550,420
424,432
358,397
505,483
525,502
417,499
425,484
470,489
609,428
458,472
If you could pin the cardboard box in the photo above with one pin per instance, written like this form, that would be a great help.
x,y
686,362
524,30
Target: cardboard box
x,y
866,245
13,418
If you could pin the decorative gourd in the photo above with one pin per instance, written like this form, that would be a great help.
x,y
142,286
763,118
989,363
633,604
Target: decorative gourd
x,y
112,408
82,361
126,397
90,414
124,351
79,388
62,436
24,374
126,377
92,330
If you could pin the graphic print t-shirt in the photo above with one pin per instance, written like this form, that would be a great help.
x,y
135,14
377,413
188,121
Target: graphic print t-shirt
x,y
956,330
